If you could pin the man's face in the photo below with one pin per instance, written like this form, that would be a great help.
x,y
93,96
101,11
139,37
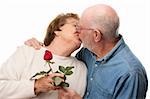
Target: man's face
x,y
85,33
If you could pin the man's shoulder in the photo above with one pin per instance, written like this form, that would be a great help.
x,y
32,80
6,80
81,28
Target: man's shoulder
x,y
130,60
84,52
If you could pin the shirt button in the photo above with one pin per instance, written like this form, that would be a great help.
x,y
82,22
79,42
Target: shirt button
x,y
96,65
87,93
91,79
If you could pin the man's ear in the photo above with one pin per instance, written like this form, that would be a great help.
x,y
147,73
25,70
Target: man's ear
x,y
97,36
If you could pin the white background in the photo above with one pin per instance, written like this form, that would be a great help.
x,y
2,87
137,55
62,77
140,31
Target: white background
x,y
23,19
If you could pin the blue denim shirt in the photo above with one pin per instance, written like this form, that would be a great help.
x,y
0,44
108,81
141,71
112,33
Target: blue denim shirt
x,y
118,75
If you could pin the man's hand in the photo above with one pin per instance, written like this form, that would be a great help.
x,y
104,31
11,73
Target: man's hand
x,y
44,84
68,94
33,42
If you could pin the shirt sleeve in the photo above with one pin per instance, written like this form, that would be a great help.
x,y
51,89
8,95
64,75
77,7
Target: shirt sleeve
x,y
131,86
11,84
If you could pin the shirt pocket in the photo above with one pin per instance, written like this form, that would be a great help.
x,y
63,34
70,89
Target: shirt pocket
x,y
104,84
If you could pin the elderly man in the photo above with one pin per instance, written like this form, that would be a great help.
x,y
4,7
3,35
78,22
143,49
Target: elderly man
x,y
114,72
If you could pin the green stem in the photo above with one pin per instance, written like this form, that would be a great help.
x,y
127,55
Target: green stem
x,y
50,67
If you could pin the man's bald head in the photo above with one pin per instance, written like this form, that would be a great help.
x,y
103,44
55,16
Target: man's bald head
x,y
101,9
102,17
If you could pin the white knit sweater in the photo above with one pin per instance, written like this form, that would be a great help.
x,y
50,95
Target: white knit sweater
x,y
16,72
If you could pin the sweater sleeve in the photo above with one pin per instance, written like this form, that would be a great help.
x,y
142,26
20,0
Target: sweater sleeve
x,y
82,82
11,84
80,78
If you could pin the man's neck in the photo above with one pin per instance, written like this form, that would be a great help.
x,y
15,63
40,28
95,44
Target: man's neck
x,y
62,48
102,50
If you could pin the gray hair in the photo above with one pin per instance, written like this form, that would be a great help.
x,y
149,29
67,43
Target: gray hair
x,y
107,24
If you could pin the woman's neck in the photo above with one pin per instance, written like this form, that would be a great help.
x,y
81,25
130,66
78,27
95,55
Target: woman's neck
x,y
63,48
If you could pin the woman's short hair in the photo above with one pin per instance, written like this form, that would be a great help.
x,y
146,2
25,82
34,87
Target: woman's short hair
x,y
55,25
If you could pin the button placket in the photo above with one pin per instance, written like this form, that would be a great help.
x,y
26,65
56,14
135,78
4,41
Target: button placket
x,y
91,79
87,94
96,65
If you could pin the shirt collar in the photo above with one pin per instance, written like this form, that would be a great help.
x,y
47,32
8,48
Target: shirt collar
x,y
115,50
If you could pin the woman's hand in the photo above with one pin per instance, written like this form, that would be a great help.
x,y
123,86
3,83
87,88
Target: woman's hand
x,y
44,84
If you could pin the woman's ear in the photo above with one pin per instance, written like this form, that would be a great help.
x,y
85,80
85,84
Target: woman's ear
x,y
97,35
57,33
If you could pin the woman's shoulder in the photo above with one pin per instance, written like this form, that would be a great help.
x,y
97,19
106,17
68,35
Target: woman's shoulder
x,y
28,49
25,48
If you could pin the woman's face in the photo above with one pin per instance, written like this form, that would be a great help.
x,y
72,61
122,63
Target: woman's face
x,y
69,30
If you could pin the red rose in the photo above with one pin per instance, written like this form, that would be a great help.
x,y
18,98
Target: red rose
x,y
48,55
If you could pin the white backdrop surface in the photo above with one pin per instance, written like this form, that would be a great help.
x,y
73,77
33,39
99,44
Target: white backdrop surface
x,y
23,19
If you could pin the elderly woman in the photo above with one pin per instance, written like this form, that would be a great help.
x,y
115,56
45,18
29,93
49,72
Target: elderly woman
x,y
61,40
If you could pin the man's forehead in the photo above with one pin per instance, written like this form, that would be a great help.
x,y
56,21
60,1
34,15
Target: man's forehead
x,y
82,22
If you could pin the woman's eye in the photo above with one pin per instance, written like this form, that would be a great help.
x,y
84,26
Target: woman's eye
x,y
75,25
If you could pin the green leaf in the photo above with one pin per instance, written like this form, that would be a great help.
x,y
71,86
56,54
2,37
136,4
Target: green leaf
x,y
64,84
62,69
57,80
68,72
69,68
